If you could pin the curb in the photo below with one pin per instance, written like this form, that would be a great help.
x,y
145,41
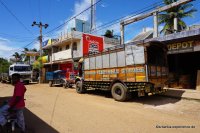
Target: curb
x,y
176,97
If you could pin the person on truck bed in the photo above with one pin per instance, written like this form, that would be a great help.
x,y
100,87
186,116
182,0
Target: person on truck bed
x,y
16,103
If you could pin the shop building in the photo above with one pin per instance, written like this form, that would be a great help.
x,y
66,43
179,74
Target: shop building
x,y
183,49
65,52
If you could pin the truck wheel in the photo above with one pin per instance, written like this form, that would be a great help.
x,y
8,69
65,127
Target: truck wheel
x,y
120,92
79,87
50,83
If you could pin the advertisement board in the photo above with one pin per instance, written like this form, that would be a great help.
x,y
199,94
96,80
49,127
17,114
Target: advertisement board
x,y
92,44
130,73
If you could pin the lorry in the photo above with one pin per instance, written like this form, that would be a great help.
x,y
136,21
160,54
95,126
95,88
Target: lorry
x,y
61,78
23,70
56,77
125,69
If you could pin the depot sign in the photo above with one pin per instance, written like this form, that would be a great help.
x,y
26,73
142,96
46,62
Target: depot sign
x,y
180,47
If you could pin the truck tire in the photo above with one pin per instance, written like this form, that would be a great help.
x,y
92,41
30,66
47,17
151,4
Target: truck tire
x,y
79,87
120,92
50,83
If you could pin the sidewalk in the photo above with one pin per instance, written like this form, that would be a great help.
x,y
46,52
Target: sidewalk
x,y
183,94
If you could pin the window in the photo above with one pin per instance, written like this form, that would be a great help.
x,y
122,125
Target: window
x,y
60,49
22,68
74,46
11,68
67,47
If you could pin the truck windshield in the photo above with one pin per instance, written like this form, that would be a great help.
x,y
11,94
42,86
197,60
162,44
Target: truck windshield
x,y
22,68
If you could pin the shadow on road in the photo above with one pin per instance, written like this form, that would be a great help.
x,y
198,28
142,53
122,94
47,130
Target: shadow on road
x,y
154,100
33,123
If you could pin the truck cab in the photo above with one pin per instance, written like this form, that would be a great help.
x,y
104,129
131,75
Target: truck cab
x,y
23,70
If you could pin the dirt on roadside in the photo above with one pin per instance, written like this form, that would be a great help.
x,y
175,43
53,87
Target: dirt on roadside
x,y
54,109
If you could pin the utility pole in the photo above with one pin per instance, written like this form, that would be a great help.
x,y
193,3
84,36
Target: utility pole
x,y
93,13
154,13
40,25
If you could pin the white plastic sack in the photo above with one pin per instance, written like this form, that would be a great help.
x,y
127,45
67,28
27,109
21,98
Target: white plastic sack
x,y
3,113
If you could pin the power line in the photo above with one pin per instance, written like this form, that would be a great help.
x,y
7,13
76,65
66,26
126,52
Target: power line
x,y
30,9
143,10
115,21
103,26
4,5
72,18
20,49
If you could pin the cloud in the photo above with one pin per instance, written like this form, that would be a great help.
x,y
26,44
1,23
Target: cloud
x,y
160,27
103,5
149,28
4,40
36,45
6,49
81,6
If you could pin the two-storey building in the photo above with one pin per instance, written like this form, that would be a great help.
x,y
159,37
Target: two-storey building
x,y
65,52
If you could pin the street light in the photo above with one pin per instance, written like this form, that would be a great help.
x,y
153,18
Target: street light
x,y
40,25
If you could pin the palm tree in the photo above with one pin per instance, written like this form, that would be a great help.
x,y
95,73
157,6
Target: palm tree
x,y
34,50
27,58
17,56
179,12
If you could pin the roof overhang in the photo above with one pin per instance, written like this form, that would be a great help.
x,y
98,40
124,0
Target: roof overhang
x,y
195,34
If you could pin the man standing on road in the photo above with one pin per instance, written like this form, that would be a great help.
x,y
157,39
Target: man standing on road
x,y
17,103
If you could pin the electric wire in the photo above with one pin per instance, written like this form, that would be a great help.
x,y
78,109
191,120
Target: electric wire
x,y
132,14
72,18
6,7
103,26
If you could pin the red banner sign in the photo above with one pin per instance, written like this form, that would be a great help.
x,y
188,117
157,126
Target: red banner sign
x,y
92,44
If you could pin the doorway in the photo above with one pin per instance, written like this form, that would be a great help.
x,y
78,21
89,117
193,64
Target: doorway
x,y
184,67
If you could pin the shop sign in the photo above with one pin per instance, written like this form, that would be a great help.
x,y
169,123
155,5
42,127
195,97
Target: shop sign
x,y
181,47
92,44
49,42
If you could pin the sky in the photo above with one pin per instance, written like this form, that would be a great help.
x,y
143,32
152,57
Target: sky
x,y
17,16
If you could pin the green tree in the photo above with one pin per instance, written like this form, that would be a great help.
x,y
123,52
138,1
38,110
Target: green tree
x,y
4,65
167,17
27,58
109,34
17,56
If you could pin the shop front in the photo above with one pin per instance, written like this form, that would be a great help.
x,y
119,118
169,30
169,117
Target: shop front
x,y
184,63
70,68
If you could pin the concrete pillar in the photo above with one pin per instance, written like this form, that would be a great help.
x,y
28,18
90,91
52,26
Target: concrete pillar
x,y
122,33
175,24
155,26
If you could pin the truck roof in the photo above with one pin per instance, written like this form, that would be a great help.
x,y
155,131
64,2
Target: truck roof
x,y
19,65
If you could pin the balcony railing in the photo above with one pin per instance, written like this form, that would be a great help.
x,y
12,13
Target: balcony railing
x,y
77,54
62,55
69,35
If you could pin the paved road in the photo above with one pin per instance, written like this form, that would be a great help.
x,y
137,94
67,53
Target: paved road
x,y
51,110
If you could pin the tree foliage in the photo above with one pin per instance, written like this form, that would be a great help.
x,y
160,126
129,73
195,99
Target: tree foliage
x,y
109,34
4,65
180,12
